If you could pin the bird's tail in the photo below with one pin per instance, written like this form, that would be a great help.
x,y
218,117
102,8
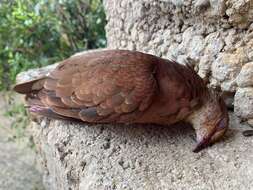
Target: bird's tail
x,y
36,106
33,90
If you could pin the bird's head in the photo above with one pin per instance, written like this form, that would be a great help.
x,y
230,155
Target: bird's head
x,y
210,122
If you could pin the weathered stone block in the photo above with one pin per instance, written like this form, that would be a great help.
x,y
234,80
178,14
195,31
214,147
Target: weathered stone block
x,y
244,103
245,77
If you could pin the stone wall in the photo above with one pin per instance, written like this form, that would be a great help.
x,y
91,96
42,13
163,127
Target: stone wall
x,y
215,36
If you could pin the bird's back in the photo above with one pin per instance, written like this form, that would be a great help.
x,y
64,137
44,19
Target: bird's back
x,y
116,86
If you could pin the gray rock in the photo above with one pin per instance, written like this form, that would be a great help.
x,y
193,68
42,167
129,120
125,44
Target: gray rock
x,y
204,66
250,122
244,103
226,68
202,4
214,44
240,12
218,7
245,77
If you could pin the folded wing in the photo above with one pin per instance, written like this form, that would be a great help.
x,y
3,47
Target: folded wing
x,y
101,87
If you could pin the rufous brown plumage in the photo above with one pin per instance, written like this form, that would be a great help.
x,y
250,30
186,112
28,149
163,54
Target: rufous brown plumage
x,y
120,86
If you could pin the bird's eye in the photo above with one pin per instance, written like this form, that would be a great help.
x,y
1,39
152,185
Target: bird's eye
x,y
222,124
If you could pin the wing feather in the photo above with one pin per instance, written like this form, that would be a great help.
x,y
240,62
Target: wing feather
x,y
101,86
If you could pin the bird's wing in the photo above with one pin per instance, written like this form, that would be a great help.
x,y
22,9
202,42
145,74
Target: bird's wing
x,y
102,86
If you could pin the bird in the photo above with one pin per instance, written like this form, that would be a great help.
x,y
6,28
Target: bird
x,y
128,87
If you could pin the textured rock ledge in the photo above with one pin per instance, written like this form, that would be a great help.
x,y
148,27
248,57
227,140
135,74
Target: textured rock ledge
x,y
105,157
217,36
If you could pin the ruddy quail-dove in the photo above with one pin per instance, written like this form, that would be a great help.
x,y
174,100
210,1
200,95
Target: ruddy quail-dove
x,y
121,86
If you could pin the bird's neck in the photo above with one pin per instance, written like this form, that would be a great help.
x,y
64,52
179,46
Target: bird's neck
x,y
207,112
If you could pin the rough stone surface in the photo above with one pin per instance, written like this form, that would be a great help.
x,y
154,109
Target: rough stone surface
x,y
250,122
217,36
244,103
245,77
78,156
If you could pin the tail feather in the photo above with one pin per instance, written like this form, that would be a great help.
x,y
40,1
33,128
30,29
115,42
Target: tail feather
x,y
35,99
36,107
45,111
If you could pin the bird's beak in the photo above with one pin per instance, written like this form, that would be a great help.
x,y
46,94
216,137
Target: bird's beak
x,y
203,143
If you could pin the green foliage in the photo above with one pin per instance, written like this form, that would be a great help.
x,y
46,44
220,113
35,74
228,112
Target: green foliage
x,y
20,121
34,33
16,114
82,23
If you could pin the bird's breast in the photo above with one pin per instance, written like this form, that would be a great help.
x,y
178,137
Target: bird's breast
x,y
165,113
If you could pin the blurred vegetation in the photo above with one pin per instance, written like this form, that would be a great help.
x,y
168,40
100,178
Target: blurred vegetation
x,y
34,33
16,113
